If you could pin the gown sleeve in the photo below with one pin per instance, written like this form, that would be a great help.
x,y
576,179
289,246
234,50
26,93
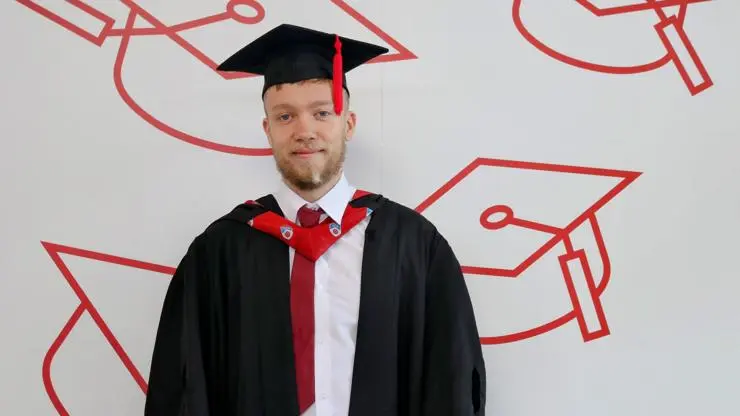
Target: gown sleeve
x,y
454,373
176,377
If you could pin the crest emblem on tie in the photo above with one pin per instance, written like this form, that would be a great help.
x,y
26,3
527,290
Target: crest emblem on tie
x,y
335,229
286,231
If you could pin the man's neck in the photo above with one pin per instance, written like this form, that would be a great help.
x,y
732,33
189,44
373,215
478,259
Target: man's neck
x,y
313,195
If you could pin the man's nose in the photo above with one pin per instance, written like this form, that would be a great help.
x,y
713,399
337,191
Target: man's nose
x,y
304,128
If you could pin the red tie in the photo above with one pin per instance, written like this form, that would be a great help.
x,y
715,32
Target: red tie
x,y
302,314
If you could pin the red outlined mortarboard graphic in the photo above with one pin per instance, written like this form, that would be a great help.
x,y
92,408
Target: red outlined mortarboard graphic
x,y
234,10
86,305
533,239
670,30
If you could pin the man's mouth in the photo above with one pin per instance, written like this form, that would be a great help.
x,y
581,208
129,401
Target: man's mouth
x,y
306,152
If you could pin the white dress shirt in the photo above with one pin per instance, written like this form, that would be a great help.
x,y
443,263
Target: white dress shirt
x,y
337,299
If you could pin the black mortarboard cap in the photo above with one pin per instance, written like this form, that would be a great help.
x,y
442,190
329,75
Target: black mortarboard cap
x,y
289,53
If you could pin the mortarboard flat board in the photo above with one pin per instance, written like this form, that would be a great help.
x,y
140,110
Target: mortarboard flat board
x,y
289,54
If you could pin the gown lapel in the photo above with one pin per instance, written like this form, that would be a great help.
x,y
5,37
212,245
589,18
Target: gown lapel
x,y
374,384
272,300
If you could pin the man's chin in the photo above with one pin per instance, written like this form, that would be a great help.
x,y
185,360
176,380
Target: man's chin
x,y
305,176
305,181
307,184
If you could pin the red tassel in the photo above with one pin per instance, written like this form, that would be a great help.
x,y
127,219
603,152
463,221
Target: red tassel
x,y
337,79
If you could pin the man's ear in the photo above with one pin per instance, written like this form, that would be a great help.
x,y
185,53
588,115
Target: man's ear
x,y
350,123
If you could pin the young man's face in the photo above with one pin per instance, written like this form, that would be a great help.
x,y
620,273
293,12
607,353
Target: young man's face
x,y
307,138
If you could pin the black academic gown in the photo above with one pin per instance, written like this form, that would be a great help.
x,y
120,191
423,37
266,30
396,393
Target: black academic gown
x,y
224,342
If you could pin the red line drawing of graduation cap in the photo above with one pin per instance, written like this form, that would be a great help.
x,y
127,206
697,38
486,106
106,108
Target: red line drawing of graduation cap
x,y
507,217
670,29
97,24
87,306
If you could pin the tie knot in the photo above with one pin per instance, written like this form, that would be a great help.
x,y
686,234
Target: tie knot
x,y
308,217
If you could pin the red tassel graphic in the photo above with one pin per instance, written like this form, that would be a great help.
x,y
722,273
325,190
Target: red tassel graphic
x,y
337,79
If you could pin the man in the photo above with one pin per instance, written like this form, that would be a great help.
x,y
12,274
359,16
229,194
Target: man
x,y
320,299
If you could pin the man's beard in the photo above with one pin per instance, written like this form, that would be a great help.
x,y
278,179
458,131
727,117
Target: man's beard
x,y
314,178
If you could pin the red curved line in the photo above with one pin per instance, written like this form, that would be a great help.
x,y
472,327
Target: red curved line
x,y
606,263
530,333
577,62
49,357
556,323
118,80
53,251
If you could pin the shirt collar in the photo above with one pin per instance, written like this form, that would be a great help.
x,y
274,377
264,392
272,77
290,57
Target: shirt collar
x,y
334,202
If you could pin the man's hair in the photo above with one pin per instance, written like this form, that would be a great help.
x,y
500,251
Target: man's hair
x,y
278,87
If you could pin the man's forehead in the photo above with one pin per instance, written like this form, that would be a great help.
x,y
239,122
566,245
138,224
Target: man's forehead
x,y
298,95
306,85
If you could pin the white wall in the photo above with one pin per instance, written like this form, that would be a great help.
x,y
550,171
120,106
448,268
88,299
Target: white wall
x,y
111,166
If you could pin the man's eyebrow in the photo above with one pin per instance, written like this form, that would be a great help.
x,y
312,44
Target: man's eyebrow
x,y
279,106
313,104
320,103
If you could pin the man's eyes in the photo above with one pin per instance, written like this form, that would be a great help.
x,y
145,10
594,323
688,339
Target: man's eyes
x,y
320,114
